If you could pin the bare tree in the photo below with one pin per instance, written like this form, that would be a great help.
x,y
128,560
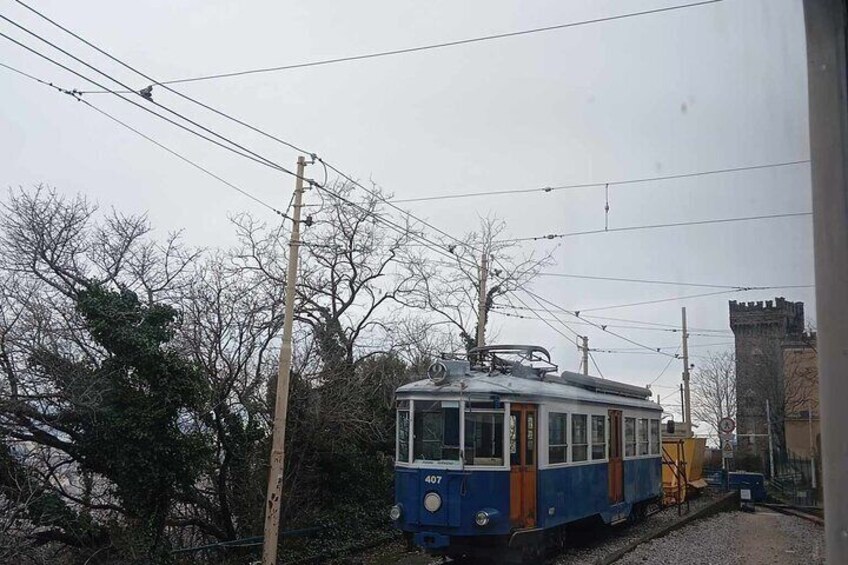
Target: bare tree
x,y
450,287
714,390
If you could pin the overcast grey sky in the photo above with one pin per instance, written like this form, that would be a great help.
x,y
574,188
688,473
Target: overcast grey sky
x,y
710,87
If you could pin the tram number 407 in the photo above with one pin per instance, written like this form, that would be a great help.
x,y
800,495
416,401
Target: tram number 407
x,y
433,479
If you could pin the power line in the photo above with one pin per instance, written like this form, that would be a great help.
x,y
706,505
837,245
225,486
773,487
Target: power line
x,y
497,309
598,326
640,281
667,365
428,47
248,155
151,140
164,85
243,151
546,189
547,323
626,350
259,159
673,327
660,226
236,120
595,363
691,296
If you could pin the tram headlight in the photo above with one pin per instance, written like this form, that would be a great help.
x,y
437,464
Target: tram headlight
x,y
482,518
432,502
395,512
486,516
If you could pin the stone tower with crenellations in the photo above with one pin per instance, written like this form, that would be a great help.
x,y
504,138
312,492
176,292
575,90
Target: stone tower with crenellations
x,y
760,328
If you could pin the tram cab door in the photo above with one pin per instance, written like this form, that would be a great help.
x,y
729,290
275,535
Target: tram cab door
x,y
616,465
523,438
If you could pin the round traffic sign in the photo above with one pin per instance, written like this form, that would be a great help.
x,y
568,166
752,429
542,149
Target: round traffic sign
x,y
726,425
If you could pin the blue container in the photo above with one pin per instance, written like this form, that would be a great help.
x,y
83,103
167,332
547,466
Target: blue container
x,y
755,482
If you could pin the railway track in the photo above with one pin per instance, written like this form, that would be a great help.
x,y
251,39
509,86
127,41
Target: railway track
x,y
620,541
605,545
810,514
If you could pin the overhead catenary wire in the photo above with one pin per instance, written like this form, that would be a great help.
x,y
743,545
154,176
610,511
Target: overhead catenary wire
x,y
546,322
163,84
640,281
498,309
598,326
314,156
261,160
690,297
232,145
206,171
547,189
674,327
640,351
595,363
322,187
428,47
667,365
660,226
580,311
190,162
225,115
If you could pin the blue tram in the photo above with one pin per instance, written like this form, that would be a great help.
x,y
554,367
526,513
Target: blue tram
x,y
500,452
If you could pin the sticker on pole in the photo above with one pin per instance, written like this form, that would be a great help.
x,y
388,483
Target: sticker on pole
x,y
726,425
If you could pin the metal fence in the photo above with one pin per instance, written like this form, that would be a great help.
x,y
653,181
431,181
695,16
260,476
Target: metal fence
x,y
797,479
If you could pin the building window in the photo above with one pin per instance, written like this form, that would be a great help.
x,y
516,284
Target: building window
x,y
599,437
655,437
579,438
402,455
436,431
642,436
629,437
557,438
484,438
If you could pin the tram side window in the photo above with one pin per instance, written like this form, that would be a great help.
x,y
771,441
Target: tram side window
x,y
642,436
484,438
579,438
403,432
436,431
655,437
557,438
599,437
629,437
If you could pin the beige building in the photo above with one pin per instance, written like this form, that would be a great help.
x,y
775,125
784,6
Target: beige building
x,y
801,390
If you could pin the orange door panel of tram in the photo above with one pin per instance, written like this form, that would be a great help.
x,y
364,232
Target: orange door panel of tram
x,y
523,430
616,466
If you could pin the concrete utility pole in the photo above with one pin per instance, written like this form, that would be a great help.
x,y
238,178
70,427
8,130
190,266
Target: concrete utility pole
x,y
812,459
771,444
278,441
827,83
687,406
481,308
585,355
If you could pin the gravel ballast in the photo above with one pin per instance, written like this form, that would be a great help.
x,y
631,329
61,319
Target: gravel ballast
x,y
736,538
611,539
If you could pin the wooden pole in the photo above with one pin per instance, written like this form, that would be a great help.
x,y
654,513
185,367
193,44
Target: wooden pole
x,y
278,441
586,355
481,309
687,403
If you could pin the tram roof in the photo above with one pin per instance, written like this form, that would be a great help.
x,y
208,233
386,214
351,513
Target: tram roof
x,y
470,383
